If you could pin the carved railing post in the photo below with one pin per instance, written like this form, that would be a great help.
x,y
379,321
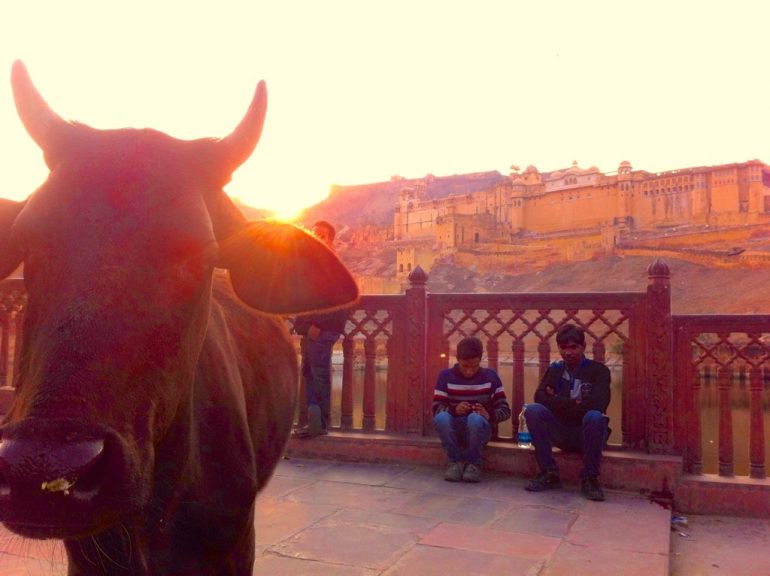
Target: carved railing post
x,y
346,400
517,400
725,418
369,410
757,426
415,350
659,402
13,301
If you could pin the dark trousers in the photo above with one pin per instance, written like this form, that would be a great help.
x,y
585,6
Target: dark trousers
x,y
317,372
588,438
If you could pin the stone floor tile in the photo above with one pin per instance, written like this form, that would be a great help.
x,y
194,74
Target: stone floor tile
x,y
276,520
351,495
276,565
371,474
566,497
453,508
32,568
426,479
16,546
335,543
543,520
282,485
623,522
719,545
395,520
491,541
600,560
432,561
301,468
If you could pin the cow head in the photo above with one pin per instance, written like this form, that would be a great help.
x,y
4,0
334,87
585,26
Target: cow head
x,y
119,247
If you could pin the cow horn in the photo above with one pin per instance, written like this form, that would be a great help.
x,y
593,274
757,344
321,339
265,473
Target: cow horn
x,y
239,145
39,120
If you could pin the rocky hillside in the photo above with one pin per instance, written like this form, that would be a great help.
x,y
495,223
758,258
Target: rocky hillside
x,y
695,289
375,203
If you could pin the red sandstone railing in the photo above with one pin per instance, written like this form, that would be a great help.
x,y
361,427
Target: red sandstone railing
x,y
732,354
417,330
666,363
13,299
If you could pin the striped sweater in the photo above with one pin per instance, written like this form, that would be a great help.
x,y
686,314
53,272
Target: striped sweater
x,y
484,388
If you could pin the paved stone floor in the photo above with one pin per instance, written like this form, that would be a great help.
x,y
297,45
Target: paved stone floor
x,y
320,518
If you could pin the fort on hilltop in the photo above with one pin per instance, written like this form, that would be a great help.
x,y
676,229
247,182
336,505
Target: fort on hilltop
x,y
538,218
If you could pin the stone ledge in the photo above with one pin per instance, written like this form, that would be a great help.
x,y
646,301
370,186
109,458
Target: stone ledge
x,y
655,475
712,494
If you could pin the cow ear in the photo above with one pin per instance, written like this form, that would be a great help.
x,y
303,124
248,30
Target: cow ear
x,y
11,254
281,269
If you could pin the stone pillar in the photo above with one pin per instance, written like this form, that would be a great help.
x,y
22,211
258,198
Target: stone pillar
x,y
416,350
659,404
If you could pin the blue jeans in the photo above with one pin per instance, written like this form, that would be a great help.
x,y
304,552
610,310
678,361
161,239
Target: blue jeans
x,y
588,438
470,432
317,372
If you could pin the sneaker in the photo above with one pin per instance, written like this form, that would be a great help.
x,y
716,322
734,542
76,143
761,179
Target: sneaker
x,y
472,473
304,432
545,480
591,489
454,472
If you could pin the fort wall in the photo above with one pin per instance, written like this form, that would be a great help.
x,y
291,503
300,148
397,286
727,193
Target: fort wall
x,y
586,199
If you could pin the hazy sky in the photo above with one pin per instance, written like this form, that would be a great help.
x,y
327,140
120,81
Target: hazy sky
x,y
360,90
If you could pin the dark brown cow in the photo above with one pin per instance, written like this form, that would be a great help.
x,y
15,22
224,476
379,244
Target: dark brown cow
x,y
152,403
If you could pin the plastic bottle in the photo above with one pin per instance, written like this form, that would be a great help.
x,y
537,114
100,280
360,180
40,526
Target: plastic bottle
x,y
523,436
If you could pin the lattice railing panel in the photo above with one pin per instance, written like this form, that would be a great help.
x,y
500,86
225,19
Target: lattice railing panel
x,y
727,386
517,339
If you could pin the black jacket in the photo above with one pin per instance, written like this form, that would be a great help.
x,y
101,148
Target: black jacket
x,y
595,391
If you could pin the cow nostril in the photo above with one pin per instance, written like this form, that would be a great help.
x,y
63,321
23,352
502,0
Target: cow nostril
x,y
92,478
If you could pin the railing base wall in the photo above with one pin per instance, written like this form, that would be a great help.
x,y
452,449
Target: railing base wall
x,y
651,475
711,494
659,477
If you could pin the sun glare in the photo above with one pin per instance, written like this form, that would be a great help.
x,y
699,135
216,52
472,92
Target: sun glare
x,y
342,116
286,214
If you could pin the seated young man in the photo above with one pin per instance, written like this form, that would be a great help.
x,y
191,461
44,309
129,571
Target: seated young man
x,y
467,401
569,411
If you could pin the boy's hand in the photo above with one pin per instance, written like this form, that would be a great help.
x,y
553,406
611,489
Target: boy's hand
x,y
464,408
481,411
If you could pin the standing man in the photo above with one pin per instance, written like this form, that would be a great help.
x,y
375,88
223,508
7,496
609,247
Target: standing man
x,y
319,333
569,411
467,400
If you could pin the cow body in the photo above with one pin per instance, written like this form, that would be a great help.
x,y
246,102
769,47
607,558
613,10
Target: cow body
x,y
153,400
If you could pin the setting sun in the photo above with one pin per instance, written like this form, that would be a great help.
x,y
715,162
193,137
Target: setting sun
x,y
360,91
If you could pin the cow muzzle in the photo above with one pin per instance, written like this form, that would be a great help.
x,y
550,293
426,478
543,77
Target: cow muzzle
x,y
55,478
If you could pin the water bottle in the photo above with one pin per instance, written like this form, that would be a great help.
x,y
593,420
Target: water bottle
x,y
523,436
